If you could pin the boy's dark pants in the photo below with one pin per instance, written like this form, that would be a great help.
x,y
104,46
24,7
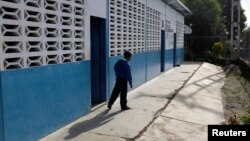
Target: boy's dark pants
x,y
120,87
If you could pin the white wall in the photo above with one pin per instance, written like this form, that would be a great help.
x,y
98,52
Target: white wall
x,y
97,8
180,30
179,17
171,16
157,5
142,1
42,34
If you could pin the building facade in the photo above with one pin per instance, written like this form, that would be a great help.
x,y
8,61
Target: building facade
x,y
57,56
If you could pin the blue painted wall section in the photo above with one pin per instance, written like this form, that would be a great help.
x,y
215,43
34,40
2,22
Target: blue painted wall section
x,y
39,100
180,56
1,113
153,64
138,69
169,59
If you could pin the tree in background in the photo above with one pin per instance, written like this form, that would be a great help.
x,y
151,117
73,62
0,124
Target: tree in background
x,y
206,23
210,23
246,44
226,14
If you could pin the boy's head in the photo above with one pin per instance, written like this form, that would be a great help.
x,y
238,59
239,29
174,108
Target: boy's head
x,y
127,55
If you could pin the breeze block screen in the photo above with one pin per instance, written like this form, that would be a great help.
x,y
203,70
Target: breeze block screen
x,y
41,32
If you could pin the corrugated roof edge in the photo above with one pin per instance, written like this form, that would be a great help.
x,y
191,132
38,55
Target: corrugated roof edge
x,y
179,6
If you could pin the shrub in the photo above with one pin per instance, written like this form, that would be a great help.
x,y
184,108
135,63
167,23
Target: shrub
x,y
217,49
233,119
214,56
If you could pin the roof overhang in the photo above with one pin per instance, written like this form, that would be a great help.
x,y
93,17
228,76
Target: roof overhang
x,y
179,6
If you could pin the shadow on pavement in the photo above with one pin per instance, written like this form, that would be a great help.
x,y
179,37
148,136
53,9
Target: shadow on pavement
x,y
183,98
87,125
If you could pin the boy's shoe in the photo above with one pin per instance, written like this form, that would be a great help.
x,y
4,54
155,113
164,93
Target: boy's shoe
x,y
126,108
109,106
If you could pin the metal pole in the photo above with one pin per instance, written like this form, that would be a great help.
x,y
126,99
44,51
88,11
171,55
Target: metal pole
x,y
244,49
239,32
232,23
248,46
186,48
225,48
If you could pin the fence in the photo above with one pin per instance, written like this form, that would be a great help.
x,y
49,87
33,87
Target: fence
x,y
245,69
245,49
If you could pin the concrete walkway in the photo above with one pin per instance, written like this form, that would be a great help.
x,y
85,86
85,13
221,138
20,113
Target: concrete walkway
x,y
176,106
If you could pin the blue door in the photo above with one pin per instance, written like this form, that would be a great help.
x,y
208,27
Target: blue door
x,y
163,43
98,60
175,57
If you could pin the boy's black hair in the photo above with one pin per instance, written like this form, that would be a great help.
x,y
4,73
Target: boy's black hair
x,y
127,54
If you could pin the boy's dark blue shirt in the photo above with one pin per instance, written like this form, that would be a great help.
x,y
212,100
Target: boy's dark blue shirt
x,y
122,70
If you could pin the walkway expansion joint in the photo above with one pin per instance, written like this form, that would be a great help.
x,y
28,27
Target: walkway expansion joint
x,y
159,112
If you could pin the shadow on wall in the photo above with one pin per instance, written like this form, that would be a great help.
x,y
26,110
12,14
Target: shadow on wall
x,y
93,123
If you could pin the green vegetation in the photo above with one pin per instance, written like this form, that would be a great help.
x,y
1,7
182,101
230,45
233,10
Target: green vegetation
x,y
205,21
246,118
215,54
217,49
236,98
210,23
210,41
246,41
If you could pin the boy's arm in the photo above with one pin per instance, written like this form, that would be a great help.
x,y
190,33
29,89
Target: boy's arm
x,y
129,76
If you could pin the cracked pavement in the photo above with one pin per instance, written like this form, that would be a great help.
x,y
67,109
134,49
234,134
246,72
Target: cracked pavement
x,y
175,106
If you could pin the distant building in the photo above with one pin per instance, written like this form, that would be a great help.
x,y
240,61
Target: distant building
x,y
57,56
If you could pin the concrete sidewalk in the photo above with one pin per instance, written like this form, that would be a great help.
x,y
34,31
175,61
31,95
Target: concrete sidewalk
x,y
175,106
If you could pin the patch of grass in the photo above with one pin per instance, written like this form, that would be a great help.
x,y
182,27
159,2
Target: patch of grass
x,y
226,90
232,77
246,119
236,98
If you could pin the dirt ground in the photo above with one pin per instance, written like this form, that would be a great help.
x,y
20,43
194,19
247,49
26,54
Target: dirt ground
x,y
236,97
